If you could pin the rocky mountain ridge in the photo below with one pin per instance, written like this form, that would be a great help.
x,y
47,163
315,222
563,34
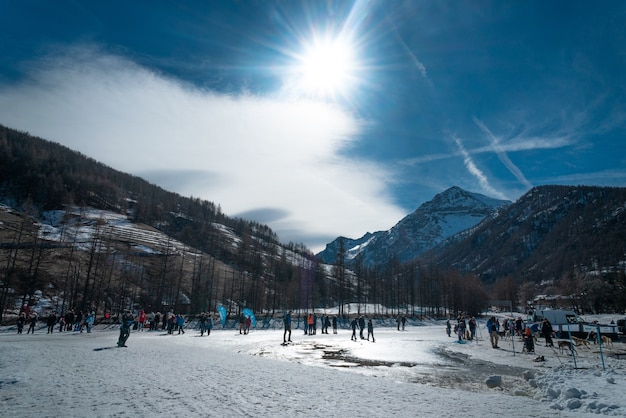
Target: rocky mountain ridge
x,y
448,213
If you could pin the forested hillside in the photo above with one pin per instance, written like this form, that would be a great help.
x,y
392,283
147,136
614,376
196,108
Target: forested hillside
x,y
85,236
556,240
106,271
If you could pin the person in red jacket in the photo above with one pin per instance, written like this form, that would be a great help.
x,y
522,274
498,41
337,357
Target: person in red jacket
x,y
142,320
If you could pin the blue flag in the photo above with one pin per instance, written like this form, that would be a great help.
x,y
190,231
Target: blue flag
x,y
249,313
222,310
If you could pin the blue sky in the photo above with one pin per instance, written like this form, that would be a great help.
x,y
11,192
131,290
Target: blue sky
x,y
324,118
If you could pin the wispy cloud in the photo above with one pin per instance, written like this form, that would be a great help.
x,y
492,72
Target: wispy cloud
x,y
476,172
511,145
411,55
502,155
250,154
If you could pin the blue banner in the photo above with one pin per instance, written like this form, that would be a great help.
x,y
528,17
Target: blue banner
x,y
222,310
249,313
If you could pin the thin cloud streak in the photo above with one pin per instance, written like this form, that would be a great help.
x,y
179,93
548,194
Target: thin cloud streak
x,y
513,145
245,153
502,155
476,172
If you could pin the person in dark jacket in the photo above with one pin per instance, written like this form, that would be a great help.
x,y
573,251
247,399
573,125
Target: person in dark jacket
x,y
287,322
370,330
242,323
33,322
127,321
546,330
361,326
21,320
51,322
326,324
353,325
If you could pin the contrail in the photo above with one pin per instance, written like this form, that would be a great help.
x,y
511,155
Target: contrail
x,y
502,155
475,171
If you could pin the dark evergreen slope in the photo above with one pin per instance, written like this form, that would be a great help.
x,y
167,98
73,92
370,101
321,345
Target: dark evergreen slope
x,y
549,232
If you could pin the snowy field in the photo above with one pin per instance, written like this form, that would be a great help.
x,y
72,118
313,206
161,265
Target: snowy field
x,y
411,373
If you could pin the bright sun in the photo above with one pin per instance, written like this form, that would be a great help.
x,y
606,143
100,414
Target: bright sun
x,y
326,68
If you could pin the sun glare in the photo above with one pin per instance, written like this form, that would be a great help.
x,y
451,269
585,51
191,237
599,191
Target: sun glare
x,y
326,68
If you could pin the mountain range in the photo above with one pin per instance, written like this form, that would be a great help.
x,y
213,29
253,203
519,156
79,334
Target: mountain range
x,y
195,252
448,213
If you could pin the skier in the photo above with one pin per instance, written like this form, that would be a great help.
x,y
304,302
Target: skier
x,y
127,322
370,330
334,324
448,327
287,321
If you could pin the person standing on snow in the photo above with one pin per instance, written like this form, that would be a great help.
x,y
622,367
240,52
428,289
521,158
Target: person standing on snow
x,y
202,323
361,326
142,320
546,330
287,321
127,321
370,330
493,332
472,328
209,324
326,324
52,320
33,322
353,325
21,320
242,323
334,324
309,323
89,321
180,321
170,318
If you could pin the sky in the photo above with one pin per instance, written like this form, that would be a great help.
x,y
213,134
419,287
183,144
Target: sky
x,y
324,118
416,372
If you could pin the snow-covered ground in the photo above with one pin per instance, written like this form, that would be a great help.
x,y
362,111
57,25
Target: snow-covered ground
x,y
416,372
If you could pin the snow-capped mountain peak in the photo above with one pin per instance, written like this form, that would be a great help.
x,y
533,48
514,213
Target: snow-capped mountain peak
x,y
448,213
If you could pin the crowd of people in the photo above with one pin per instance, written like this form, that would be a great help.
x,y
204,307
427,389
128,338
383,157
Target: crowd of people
x,y
70,321
465,329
